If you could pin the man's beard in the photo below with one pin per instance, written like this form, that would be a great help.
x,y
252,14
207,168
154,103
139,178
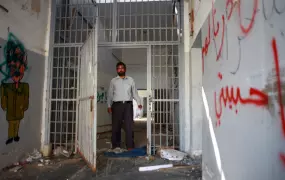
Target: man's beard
x,y
121,73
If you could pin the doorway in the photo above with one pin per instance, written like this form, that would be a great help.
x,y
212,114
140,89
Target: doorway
x,y
136,59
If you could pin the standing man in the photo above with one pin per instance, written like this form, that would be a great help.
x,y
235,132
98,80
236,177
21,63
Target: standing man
x,y
121,93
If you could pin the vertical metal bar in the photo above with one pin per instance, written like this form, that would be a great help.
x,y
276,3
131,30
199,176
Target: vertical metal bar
x,y
172,23
136,23
67,108
142,18
173,104
114,25
148,24
160,96
159,15
153,13
154,93
130,23
166,90
78,58
76,21
166,25
82,21
149,101
57,82
124,15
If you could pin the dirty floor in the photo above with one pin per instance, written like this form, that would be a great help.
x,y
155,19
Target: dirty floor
x,y
74,168
107,169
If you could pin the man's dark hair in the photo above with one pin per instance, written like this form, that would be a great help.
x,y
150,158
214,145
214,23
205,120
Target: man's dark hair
x,y
120,64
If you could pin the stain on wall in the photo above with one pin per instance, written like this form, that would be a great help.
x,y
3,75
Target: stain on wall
x,y
14,93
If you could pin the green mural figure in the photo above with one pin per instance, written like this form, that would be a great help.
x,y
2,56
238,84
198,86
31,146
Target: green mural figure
x,y
14,94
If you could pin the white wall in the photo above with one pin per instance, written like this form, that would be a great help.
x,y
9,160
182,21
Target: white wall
x,y
241,55
196,101
28,21
136,61
106,71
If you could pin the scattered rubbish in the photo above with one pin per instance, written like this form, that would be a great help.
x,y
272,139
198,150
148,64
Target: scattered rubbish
x,y
16,168
40,164
156,167
117,150
187,160
35,155
149,158
60,151
47,161
172,154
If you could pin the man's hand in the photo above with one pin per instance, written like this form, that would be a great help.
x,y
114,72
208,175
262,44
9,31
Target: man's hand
x,y
109,110
140,106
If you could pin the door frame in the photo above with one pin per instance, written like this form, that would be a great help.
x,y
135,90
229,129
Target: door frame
x,y
149,92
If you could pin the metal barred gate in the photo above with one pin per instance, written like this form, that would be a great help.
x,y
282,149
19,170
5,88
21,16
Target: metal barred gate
x,y
87,106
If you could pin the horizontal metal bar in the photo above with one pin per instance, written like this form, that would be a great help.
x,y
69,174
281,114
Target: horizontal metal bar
x,y
68,44
136,44
86,98
63,99
165,100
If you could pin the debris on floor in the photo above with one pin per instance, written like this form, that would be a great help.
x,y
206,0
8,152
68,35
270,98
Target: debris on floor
x,y
61,151
29,158
156,167
171,154
118,152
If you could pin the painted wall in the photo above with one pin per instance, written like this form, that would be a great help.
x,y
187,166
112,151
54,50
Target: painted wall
x,y
196,102
136,61
22,76
243,79
106,71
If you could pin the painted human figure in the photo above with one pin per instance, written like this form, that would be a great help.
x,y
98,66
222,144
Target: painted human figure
x,y
14,94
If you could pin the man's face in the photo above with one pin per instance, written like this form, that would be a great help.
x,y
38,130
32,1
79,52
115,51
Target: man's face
x,y
121,70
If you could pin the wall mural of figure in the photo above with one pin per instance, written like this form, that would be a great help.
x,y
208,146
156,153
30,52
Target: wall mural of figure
x,y
14,93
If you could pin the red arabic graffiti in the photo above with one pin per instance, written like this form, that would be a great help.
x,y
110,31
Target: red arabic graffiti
x,y
216,31
207,42
232,97
216,26
279,88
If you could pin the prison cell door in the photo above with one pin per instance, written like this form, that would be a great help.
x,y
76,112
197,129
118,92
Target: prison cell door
x,y
163,98
87,107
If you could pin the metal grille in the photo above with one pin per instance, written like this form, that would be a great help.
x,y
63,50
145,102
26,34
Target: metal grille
x,y
74,20
120,22
138,21
165,97
87,115
63,96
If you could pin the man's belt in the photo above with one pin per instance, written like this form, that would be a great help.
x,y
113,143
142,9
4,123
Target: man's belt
x,y
123,102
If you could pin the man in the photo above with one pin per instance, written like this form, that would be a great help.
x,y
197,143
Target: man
x,y
121,93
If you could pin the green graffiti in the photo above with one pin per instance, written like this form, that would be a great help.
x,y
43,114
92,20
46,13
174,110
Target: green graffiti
x,y
101,97
15,60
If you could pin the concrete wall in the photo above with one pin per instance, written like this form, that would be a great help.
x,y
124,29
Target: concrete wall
x,y
106,71
243,65
196,102
27,21
136,61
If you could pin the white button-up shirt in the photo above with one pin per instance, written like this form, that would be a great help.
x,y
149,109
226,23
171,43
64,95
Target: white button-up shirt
x,y
122,89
